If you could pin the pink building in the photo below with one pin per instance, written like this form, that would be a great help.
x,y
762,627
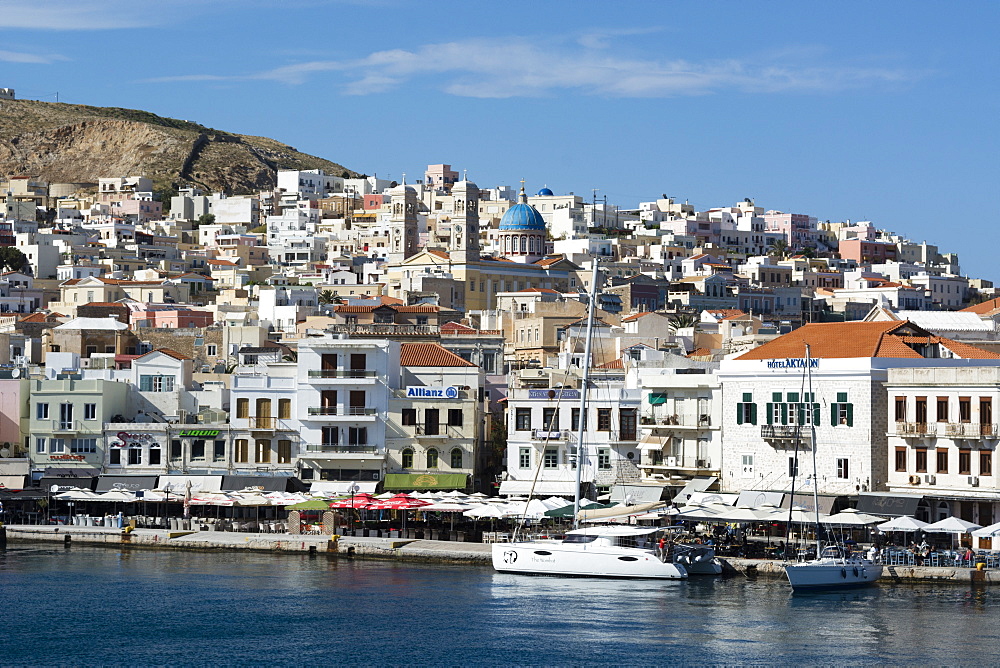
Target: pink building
x,y
173,318
798,228
868,252
440,176
10,409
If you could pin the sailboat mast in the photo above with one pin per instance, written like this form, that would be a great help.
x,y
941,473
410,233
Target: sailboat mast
x,y
582,423
812,433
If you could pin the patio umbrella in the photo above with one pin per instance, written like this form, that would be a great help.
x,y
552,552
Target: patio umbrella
x,y
852,518
738,515
567,510
904,523
358,502
533,509
953,525
311,504
988,531
490,510
212,499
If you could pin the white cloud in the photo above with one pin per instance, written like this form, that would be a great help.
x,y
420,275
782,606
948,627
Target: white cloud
x,y
512,67
73,15
29,58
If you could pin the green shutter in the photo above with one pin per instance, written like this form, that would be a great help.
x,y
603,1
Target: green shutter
x,y
739,413
657,398
770,413
833,415
841,397
850,415
801,411
816,414
793,397
776,397
753,413
784,413
747,397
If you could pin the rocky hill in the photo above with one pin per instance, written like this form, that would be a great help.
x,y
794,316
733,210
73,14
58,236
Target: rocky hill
x,y
69,143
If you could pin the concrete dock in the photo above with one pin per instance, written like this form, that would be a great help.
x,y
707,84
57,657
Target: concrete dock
x,y
405,550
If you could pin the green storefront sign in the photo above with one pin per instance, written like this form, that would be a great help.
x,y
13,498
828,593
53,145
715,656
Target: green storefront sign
x,y
405,481
200,432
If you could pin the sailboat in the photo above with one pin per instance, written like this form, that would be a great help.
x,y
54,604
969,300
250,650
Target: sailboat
x,y
834,567
597,551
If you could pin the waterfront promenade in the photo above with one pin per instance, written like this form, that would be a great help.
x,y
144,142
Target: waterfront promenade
x,y
404,550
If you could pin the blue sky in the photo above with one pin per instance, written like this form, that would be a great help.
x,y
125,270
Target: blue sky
x,y
884,111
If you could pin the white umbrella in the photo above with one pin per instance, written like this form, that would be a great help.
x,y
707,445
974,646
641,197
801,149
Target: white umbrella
x,y
800,515
77,495
903,523
851,517
445,507
479,495
737,515
988,532
952,525
533,509
117,496
490,510
554,502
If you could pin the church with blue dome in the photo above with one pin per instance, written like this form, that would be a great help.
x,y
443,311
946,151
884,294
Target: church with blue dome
x,y
521,234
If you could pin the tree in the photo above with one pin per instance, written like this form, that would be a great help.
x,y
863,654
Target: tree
x,y
678,321
327,297
12,259
780,248
206,219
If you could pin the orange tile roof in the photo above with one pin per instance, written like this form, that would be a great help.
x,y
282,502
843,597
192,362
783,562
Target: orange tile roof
x,y
429,354
613,364
167,351
545,290
726,313
458,327
41,317
700,352
440,253
635,316
984,307
545,261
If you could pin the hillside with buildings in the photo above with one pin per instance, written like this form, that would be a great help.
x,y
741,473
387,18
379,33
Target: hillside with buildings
x,y
68,143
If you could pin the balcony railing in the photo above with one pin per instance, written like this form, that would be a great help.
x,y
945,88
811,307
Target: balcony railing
x,y
335,448
554,435
268,423
791,431
916,428
969,430
341,410
341,373
691,421
385,329
651,460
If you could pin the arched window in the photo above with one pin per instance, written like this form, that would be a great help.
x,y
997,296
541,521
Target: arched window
x,y
408,458
524,245
456,458
432,458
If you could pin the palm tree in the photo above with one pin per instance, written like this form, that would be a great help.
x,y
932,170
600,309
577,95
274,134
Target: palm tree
x,y
678,321
780,248
327,297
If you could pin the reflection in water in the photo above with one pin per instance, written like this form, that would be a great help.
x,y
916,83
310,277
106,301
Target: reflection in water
x,y
147,607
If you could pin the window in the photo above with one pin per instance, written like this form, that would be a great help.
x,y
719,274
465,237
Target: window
x,y
842,412
284,409
83,445
457,459
921,410
211,350
746,412
551,458
604,459
243,407
432,458
843,468
921,457
746,461
42,412
965,409
985,413
262,452
900,409
154,456
985,462
432,422
942,460
942,409
115,457
965,462
175,449
522,419
408,458
454,417
793,467
135,456
357,436
219,451
198,449
40,445
603,419
550,419
157,383
409,417
901,459
575,420
90,411
242,453
284,452
524,458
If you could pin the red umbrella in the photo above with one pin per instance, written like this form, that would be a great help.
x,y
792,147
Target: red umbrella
x,y
399,502
358,502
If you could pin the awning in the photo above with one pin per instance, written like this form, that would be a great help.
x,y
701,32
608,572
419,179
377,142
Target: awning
x,y
650,441
64,484
342,487
755,499
12,481
546,487
656,398
696,484
705,498
265,483
125,483
199,483
404,481
805,501
888,505
633,494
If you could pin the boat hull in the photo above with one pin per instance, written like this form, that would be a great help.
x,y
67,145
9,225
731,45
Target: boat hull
x,y
832,574
582,561
697,559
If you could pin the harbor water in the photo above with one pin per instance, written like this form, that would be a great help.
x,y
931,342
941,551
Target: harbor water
x,y
85,606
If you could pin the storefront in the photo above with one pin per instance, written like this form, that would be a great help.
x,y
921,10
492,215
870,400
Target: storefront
x,y
426,481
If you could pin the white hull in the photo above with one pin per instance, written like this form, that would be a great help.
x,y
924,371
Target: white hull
x,y
558,558
832,573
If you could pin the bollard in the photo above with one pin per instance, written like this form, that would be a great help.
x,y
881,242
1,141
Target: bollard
x,y
3,537
67,539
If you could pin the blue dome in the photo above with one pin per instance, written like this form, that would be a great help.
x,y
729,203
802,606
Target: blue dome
x,y
522,216
544,192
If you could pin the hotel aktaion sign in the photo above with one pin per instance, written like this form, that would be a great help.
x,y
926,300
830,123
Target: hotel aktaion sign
x,y
793,363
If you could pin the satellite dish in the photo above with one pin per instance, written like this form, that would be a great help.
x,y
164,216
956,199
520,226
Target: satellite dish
x,y
4,452
15,373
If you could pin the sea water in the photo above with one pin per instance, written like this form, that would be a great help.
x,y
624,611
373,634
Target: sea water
x,y
100,606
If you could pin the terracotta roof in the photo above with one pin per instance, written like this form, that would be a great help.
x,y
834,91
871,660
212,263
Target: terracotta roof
x,y
985,307
41,317
635,316
965,351
167,351
613,364
726,313
700,352
545,290
458,327
391,300
223,263
545,261
429,354
440,253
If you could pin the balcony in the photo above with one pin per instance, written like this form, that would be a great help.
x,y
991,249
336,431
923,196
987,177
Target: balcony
x,y
654,461
786,432
330,374
676,421
76,426
544,435
338,449
969,430
340,411
916,429
385,329
266,423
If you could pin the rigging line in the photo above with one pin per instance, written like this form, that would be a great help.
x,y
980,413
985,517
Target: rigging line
x,y
795,459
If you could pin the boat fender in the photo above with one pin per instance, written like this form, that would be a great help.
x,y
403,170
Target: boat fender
x,y
864,572
855,571
843,572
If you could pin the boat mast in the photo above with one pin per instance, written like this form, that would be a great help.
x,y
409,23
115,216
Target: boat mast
x,y
812,433
581,425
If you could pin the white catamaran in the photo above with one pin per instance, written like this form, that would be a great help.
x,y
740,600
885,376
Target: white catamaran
x,y
599,551
834,567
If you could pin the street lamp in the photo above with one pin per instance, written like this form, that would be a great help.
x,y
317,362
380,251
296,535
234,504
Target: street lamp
x,y
353,489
